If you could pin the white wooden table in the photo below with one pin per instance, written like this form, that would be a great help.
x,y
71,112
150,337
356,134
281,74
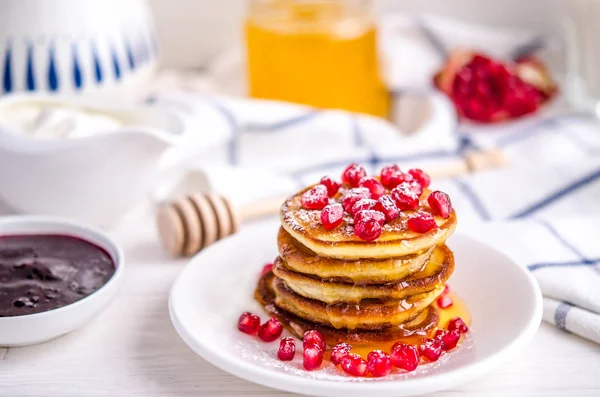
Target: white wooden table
x,y
132,349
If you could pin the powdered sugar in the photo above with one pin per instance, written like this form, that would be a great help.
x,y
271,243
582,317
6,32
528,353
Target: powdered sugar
x,y
265,355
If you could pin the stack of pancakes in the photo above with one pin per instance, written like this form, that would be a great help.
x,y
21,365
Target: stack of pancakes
x,y
353,290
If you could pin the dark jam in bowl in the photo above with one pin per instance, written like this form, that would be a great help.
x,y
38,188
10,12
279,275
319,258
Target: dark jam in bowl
x,y
44,272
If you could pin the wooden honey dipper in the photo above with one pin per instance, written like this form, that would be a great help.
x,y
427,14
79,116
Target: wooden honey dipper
x,y
188,224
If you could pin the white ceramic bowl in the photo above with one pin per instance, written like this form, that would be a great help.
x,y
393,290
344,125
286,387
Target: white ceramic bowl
x,y
217,286
40,327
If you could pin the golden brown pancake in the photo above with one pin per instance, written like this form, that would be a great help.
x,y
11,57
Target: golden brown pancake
x,y
396,240
423,324
435,273
368,314
363,271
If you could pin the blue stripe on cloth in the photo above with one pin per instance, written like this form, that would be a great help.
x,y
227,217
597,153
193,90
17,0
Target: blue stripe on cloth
x,y
562,240
529,131
475,201
583,262
564,191
233,148
278,125
560,315
433,39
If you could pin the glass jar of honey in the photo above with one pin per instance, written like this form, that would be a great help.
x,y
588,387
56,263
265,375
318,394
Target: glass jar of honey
x,y
321,53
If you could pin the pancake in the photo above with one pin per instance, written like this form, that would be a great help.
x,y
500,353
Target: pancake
x,y
368,314
396,240
435,273
422,325
300,259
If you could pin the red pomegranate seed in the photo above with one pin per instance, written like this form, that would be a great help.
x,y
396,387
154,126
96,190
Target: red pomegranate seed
x,y
391,176
375,187
379,363
312,357
420,176
446,290
353,195
404,197
387,207
444,302
440,204
421,222
315,198
415,187
353,174
248,323
313,337
339,351
431,349
354,365
368,224
266,269
457,323
332,216
405,356
331,185
270,330
287,349
449,339
363,204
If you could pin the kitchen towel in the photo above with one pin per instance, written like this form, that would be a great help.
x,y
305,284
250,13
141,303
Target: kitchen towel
x,y
542,209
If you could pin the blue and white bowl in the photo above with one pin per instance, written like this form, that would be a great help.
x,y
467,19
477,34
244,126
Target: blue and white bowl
x,y
72,47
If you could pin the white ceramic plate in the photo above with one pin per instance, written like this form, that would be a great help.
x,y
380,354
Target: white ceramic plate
x,y
218,284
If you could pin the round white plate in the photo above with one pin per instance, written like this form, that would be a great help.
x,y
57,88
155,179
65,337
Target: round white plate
x,y
217,286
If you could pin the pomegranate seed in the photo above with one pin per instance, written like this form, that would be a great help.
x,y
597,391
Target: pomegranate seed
x,y
391,176
457,323
248,323
363,204
339,351
449,339
405,356
415,187
332,216
387,207
368,224
313,337
315,198
354,365
270,330
353,174
375,187
421,222
331,185
444,302
431,349
287,349
312,357
440,204
379,363
404,197
420,176
266,269
353,195
446,290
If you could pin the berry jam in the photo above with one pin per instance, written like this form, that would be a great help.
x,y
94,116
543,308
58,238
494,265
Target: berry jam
x,y
44,272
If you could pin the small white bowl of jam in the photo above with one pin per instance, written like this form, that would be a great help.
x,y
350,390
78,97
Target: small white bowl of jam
x,y
55,276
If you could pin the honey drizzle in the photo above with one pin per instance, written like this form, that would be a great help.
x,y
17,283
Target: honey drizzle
x,y
458,309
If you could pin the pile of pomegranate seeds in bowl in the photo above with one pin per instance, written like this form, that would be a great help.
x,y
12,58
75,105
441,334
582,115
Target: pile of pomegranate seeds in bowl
x,y
487,90
376,201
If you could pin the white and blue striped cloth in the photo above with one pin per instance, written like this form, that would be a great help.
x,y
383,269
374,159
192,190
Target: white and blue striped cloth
x,y
543,209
